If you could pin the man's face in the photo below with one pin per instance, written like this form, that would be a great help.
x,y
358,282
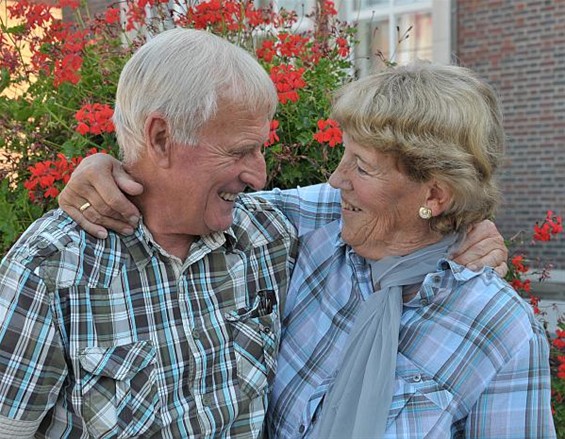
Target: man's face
x,y
207,178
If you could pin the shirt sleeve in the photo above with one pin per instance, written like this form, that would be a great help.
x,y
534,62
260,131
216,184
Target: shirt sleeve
x,y
307,208
32,363
517,402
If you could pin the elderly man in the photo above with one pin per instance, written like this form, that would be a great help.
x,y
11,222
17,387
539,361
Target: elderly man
x,y
173,330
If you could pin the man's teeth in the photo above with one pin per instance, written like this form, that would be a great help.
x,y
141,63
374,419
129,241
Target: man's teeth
x,y
226,196
348,206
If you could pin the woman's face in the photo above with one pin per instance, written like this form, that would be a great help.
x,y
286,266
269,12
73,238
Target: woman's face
x,y
379,204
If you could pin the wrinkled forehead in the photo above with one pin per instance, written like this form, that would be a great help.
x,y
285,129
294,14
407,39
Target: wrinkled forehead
x,y
236,123
254,95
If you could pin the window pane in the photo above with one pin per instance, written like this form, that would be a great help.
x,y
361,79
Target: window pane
x,y
380,43
366,3
300,6
361,51
409,2
373,39
376,2
414,36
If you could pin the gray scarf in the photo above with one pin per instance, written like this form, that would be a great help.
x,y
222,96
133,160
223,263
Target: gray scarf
x,y
357,404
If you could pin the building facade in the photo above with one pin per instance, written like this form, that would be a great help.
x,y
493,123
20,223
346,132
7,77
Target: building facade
x,y
520,47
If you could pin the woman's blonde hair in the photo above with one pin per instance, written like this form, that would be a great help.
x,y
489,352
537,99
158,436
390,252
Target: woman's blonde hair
x,y
439,122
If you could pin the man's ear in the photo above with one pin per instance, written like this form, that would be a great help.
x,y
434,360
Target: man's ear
x,y
158,140
439,197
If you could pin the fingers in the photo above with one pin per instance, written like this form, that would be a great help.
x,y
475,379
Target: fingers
x,y
101,214
96,181
90,228
125,181
483,246
109,204
98,217
488,249
494,258
478,233
502,269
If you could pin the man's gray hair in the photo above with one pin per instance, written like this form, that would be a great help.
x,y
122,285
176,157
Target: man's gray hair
x,y
182,74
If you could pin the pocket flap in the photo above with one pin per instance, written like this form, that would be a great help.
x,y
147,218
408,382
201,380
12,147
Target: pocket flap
x,y
415,390
118,362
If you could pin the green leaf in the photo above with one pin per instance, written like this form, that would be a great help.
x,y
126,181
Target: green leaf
x,y
18,29
4,79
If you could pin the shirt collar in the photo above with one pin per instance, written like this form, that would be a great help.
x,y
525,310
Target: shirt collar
x,y
436,281
143,247
460,272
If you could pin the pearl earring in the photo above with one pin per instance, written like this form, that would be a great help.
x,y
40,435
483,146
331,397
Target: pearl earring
x,y
425,212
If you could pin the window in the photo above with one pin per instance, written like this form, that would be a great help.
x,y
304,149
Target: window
x,y
401,31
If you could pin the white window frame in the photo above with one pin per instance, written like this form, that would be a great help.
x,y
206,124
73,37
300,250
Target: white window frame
x,y
440,10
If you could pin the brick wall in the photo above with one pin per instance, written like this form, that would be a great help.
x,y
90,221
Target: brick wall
x,y
519,46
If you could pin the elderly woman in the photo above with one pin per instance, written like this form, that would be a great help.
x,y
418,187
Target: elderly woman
x,y
384,336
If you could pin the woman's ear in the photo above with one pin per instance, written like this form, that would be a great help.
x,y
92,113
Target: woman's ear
x,y
158,140
439,197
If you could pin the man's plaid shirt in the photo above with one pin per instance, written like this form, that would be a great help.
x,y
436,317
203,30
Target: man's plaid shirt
x,y
114,338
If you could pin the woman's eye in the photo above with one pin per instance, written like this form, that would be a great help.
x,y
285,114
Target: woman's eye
x,y
361,171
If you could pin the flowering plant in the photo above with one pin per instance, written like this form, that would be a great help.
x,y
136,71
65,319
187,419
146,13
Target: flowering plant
x,y
521,271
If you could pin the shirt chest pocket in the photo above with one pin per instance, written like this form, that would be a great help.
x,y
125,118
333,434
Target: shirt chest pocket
x,y
255,334
119,394
417,396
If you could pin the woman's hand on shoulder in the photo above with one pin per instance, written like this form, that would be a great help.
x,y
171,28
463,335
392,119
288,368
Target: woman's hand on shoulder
x,y
96,196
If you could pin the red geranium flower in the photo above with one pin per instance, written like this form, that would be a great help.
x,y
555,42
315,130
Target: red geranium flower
x,y
273,136
95,119
329,132
287,79
518,263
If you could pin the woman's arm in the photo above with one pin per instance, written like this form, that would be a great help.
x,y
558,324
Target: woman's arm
x,y
96,198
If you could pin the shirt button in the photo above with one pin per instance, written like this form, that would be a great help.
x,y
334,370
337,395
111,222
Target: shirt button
x,y
301,428
266,329
195,334
424,302
417,378
436,279
206,400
